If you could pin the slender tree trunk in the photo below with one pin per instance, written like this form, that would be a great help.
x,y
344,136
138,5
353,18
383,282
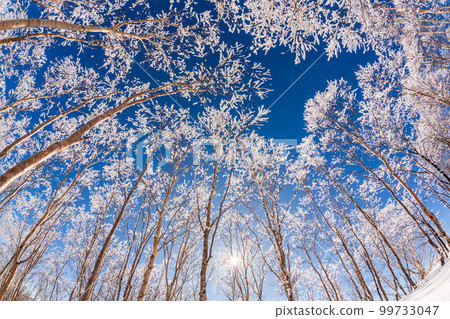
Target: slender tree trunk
x,y
206,255
324,285
151,262
369,262
38,128
367,293
9,275
99,262
60,25
398,200
14,261
425,210
377,230
156,240
204,266
286,275
336,291
21,168
127,291
404,184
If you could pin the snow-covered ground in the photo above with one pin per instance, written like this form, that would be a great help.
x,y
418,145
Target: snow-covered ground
x,y
435,287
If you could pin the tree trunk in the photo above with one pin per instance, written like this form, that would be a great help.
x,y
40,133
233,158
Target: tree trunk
x,y
206,255
21,168
151,262
99,262
60,25
204,266
9,276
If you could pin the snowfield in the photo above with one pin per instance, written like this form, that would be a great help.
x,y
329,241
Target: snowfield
x,y
435,287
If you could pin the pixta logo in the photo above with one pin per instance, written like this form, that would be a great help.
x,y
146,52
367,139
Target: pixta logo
x,y
202,151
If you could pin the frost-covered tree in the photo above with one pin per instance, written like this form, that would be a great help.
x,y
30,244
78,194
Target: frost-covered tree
x,y
164,41
350,214
242,272
374,137
270,204
57,188
220,178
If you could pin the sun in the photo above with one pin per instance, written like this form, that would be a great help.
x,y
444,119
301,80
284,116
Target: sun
x,y
234,260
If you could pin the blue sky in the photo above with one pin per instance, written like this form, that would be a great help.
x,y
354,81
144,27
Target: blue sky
x,y
286,118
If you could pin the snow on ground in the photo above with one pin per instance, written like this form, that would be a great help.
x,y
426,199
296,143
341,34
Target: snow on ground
x,y
435,287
